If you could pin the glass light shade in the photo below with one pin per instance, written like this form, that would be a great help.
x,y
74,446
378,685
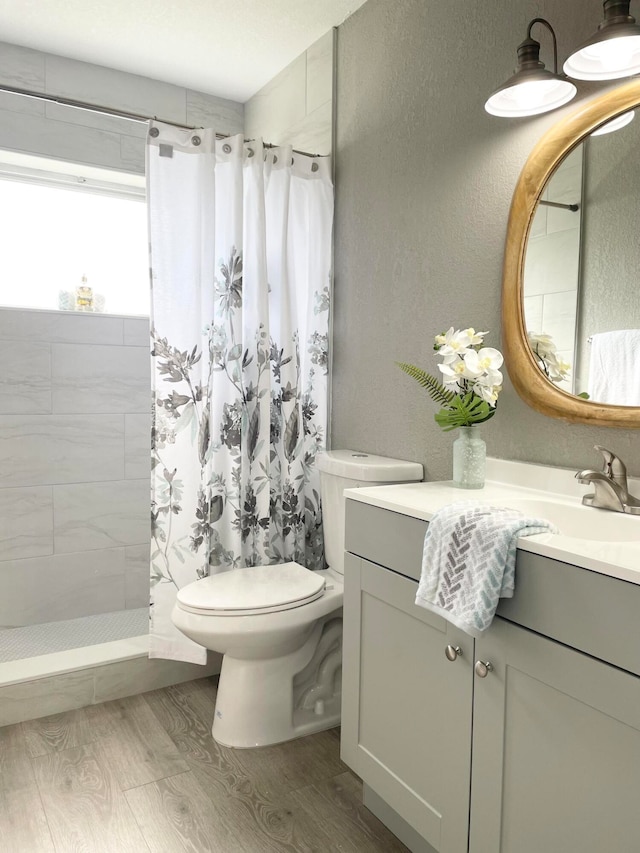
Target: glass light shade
x,y
607,58
530,94
615,124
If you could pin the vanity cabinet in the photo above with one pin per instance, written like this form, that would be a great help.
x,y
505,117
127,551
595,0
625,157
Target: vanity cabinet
x,y
542,753
406,720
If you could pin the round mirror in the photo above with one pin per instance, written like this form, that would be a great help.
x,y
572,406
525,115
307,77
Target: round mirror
x,y
571,302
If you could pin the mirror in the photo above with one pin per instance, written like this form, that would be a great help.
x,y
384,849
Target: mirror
x,y
570,300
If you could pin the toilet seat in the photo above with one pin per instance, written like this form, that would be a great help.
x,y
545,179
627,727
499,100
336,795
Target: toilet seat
x,y
251,591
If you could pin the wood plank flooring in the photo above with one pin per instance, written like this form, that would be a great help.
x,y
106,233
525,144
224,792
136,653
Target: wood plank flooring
x,y
143,774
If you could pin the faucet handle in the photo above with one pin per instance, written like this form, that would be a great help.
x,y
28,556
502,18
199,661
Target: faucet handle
x,y
614,467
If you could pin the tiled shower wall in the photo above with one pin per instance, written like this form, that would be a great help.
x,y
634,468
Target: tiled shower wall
x,y
65,133
74,389
296,106
74,465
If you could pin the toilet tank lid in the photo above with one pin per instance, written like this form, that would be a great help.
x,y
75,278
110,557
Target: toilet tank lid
x,y
355,465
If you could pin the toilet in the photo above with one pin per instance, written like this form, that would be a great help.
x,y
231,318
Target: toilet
x,y
279,627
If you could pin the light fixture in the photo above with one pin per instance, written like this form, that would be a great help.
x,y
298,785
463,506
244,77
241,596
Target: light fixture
x,y
614,50
615,123
532,89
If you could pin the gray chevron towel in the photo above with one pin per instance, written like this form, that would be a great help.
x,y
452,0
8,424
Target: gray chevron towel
x,y
468,561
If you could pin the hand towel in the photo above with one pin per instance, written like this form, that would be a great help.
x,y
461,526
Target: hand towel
x,y
469,559
614,367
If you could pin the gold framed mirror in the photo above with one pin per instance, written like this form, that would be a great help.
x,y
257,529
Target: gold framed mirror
x,y
531,383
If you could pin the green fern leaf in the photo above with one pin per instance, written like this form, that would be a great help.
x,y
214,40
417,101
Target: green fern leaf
x,y
435,389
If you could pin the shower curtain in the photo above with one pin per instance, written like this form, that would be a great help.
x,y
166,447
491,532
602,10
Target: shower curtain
x,y
240,270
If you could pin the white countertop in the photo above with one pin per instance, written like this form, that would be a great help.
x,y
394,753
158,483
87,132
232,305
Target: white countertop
x,y
601,541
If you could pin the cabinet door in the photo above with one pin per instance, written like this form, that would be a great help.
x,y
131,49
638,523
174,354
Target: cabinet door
x,y
406,708
556,749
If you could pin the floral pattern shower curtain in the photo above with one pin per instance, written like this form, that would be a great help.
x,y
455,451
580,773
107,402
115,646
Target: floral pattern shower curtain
x,y
240,270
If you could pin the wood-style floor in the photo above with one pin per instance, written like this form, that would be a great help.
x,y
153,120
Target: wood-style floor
x,y
144,774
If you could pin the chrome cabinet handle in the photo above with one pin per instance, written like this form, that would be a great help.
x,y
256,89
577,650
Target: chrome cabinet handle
x,y
453,652
483,668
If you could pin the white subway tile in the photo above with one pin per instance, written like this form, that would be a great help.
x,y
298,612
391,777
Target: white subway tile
x,y
313,133
25,381
278,105
99,121
551,263
100,379
26,522
39,135
48,449
21,68
59,327
559,318
62,586
43,696
320,72
533,313
136,332
19,104
116,89
137,446
101,515
207,111
132,154
137,570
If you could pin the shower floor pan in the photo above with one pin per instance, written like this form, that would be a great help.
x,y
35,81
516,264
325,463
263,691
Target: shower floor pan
x,y
60,666
50,637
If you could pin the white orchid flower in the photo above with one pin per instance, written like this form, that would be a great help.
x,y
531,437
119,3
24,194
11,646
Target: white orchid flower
x,y
488,393
489,379
453,343
483,361
475,338
542,344
454,373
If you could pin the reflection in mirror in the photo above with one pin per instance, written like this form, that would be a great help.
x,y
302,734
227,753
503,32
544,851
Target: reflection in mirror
x,y
582,269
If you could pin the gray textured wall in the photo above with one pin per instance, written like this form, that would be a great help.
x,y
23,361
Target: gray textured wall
x,y
424,182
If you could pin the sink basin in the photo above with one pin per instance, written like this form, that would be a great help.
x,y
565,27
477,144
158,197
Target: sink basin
x,y
581,522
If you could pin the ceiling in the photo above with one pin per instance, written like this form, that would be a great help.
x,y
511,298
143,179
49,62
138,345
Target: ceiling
x,y
229,48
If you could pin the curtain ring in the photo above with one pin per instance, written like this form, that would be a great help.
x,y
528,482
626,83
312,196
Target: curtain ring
x,y
196,140
314,167
250,152
227,148
154,132
275,159
293,160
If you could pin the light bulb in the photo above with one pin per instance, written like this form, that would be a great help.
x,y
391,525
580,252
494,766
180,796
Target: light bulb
x,y
608,59
531,97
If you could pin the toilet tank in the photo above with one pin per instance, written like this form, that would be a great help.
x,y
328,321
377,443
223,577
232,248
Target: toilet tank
x,y
349,469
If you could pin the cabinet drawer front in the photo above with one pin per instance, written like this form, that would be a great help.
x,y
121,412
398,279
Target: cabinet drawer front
x,y
384,537
406,727
590,612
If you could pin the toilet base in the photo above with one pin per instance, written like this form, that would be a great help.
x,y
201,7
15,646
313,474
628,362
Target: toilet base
x,y
259,702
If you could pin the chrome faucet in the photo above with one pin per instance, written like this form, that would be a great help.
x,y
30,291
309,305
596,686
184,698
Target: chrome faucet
x,y
610,488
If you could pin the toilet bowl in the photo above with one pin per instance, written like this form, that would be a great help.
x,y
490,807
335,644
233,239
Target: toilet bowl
x,y
279,627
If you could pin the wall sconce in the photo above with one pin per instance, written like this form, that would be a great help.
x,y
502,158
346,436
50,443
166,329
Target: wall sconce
x,y
532,89
613,52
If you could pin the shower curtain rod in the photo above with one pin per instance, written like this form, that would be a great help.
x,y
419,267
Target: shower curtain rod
x,y
108,111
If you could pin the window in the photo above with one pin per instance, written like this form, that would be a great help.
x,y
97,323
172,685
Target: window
x,y
61,222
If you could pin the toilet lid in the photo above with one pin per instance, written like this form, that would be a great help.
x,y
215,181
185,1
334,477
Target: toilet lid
x,y
261,589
